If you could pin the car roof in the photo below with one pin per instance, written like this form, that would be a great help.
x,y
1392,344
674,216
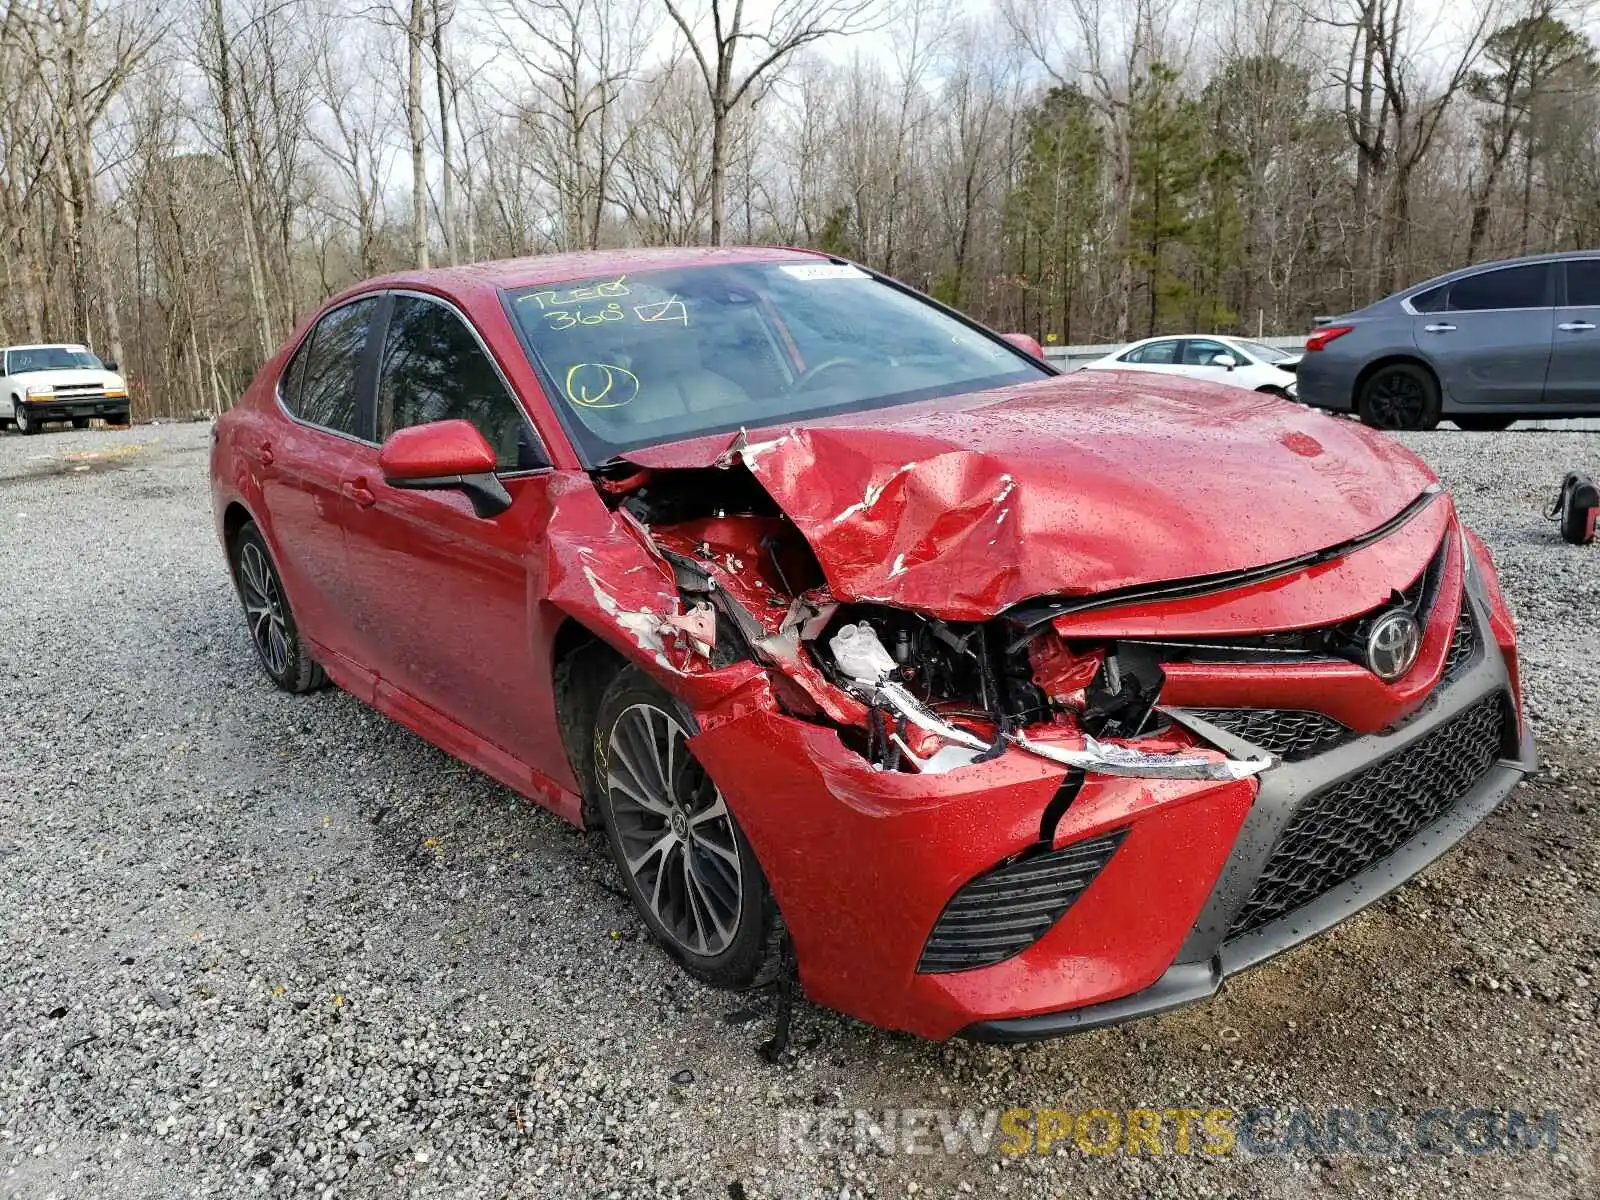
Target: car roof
x,y
1173,337
1494,264
49,346
514,273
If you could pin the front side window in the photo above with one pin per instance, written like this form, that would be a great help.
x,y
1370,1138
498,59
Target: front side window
x,y
1583,283
320,384
1511,287
1159,354
1198,352
433,369
635,360
50,358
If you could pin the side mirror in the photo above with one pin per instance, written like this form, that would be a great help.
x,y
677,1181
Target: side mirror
x,y
1224,360
445,456
109,364
1023,342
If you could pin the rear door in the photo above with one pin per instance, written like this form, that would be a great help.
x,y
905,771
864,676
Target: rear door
x,y
1491,344
304,460
1574,378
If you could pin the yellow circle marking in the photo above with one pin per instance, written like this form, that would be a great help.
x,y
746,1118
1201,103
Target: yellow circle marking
x,y
601,385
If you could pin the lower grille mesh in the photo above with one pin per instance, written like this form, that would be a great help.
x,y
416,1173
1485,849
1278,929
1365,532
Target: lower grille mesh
x,y
1342,830
1289,733
1005,911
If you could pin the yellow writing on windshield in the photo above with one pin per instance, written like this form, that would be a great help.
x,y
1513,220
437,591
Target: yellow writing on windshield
x,y
600,385
563,318
577,295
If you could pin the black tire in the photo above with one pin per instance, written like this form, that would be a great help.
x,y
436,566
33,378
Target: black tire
x,y
702,840
1483,423
25,427
80,422
273,633
1271,390
119,420
1400,396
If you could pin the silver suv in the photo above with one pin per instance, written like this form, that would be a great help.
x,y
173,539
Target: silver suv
x,y
1481,347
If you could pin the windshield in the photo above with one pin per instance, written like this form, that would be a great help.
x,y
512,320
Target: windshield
x,y
50,358
1265,353
634,360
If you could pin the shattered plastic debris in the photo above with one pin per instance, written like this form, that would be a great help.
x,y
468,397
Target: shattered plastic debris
x,y
895,698
945,758
1103,759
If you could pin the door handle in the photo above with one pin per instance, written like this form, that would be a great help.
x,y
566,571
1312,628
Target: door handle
x,y
357,490
1575,326
265,454
1439,328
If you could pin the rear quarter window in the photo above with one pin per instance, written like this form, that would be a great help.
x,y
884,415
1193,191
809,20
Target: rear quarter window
x,y
1430,301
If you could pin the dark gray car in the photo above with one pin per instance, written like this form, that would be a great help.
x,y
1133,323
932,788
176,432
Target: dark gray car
x,y
1482,347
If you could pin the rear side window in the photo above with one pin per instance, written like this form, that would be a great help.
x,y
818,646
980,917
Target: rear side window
x,y
1512,287
1583,283
320,384
1156,353
434,370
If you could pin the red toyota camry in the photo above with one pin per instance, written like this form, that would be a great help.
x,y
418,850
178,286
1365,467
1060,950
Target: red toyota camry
x,y
1018,702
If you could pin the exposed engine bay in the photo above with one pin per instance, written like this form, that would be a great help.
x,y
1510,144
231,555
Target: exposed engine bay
x,y
907,690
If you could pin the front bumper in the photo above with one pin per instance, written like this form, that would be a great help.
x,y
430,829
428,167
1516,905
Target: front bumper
x,y
63,409
863,862
1210,955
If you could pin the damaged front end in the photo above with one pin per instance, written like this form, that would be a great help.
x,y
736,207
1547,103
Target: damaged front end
x,y
1001,800
904,689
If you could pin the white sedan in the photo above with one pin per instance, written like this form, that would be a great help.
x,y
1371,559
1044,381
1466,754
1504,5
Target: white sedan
x,y
1233,361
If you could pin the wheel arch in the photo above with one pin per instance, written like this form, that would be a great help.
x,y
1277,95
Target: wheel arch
x,y
582,665
1392,360
234,518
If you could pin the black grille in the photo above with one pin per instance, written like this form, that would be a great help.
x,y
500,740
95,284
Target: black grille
x,y
1463,644
1291,734
1005,911
1344,829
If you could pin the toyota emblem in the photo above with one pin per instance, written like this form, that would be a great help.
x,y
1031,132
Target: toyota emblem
x,y
1393,644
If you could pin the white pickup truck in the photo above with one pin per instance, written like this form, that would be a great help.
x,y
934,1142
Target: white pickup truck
x,y
62,382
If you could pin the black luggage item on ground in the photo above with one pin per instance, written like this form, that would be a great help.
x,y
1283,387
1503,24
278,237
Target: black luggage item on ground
x,y
1576,507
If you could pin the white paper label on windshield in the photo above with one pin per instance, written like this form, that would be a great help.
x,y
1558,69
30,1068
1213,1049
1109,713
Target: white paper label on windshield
x,y
826,271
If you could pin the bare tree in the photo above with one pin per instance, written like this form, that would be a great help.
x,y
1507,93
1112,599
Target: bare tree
x,y
576,57
793,24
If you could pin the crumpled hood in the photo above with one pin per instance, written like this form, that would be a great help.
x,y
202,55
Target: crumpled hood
x,y
1078,485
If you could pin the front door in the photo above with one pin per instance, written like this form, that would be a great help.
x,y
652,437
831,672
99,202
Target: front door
x,y
1574,379
446,613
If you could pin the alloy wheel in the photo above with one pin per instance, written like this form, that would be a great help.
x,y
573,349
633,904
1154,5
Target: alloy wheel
x,y
263,606
676,834
1397,401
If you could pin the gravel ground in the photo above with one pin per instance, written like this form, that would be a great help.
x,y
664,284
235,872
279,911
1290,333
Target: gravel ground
x,y
255,945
